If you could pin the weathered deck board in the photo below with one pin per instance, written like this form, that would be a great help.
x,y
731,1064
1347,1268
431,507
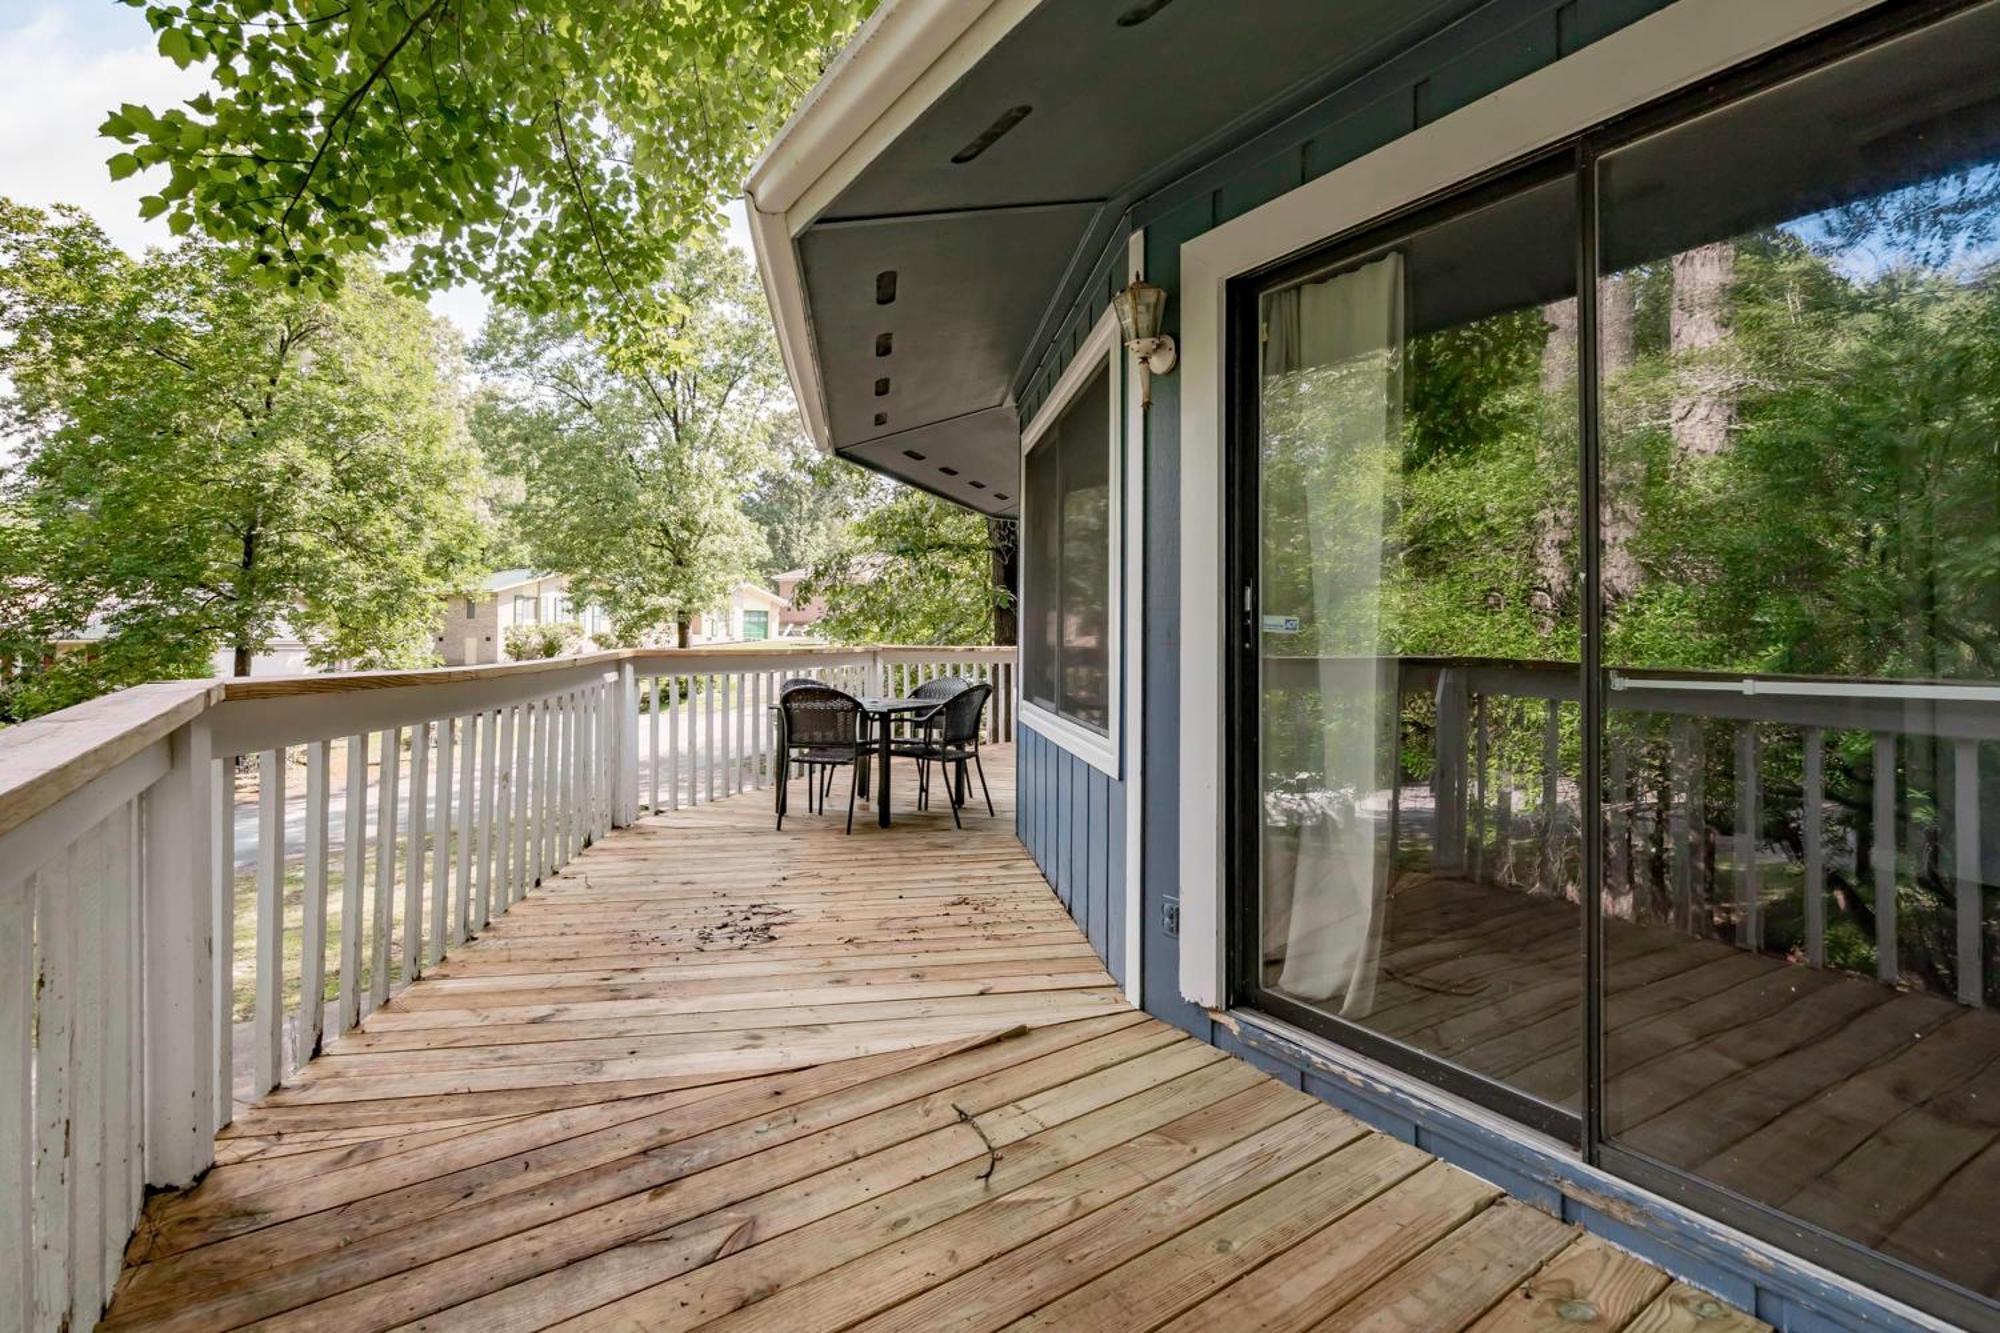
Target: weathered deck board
x,y
718,1076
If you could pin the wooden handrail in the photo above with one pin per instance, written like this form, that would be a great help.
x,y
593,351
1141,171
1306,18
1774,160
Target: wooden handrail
x,y
46,759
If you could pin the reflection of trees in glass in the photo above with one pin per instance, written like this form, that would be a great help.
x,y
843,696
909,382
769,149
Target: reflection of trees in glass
x,y
1817,492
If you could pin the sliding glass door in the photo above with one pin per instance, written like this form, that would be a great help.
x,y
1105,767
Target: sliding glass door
x,y
1735,928
1800,588
1416,860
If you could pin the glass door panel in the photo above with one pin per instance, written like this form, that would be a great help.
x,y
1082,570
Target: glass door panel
x,y
1800,483
1417,841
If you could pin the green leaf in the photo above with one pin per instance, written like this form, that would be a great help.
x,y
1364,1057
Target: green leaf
x,y
123,165
175,46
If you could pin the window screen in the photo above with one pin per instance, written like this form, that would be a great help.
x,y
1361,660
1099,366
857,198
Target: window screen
x,y
1066,594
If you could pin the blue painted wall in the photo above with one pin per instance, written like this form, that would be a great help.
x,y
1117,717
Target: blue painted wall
x,y
1071,818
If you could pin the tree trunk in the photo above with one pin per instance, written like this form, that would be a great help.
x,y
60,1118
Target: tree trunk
x,y
241,666
1618,482
682,632
1555,525
1702,409
1001,536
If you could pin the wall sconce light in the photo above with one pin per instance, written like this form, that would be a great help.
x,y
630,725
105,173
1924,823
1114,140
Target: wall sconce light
x,y
1139,309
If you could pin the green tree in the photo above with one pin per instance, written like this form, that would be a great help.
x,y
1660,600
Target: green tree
x,y
206,460
632,476
805,502
560,152
917,570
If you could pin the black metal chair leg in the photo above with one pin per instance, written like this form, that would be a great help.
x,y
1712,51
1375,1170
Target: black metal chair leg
x,y
983,789
950,798
784,776
853,785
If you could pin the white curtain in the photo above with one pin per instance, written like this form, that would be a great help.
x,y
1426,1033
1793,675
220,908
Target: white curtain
x,y
1332,408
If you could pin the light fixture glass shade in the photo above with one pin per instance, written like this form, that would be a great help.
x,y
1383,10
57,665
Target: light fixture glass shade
x,y
1139,309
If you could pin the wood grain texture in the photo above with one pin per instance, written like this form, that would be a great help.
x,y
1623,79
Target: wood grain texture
x,y
716,1076
48,758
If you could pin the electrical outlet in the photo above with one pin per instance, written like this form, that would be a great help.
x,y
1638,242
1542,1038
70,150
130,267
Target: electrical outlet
x,y
1170,911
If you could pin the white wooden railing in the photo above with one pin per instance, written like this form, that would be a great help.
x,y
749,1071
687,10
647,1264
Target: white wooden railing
x,y
1474,812
396,814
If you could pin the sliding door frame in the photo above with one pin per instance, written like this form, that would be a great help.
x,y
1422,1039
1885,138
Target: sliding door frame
x,y
1240,788
1242,488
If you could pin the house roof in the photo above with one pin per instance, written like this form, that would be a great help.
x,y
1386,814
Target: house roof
x,y
1082,108
763,594
504,579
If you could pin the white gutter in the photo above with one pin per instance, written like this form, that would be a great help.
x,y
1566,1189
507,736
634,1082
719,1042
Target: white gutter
x,y
900,62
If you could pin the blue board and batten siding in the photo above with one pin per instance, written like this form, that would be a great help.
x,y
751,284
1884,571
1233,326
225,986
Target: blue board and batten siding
x,y
1072,817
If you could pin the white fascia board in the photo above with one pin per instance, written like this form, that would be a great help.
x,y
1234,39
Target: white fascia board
x,y
903,58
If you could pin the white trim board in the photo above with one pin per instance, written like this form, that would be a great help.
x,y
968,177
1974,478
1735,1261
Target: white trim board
x,y
1101,351
1134,701
1656,55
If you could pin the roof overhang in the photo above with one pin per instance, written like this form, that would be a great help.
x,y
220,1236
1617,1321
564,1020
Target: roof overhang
x,y
929,217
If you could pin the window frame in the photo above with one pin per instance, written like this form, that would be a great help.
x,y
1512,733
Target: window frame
x,y
1102,351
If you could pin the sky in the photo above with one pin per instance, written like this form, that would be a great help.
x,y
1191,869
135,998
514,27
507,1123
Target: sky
x,y
68,64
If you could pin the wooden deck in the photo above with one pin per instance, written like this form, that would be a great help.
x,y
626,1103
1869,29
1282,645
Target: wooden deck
x,y
718,1077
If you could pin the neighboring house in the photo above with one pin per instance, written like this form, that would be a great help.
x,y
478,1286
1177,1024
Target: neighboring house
x,y
797,619
474,629
753,615
285,655
1612,937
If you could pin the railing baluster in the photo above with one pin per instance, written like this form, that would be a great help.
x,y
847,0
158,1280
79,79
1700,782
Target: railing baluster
x,y
17,1099
738,680
468,794
673,742
653,744
354,862
1618,811
312,930
125,1109
1887,964
1480,741
503,809
489,728
269,1017
55,959
586,767
566,779
518,875
746,733
547,797
222,939
388,780
1812,830
1684,821
1749,902
85,1130
1548,875
441,844
413,874
709,727
1968,871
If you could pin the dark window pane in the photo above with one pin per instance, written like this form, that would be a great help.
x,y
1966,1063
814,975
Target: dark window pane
x,y
1066,519
1417,575
1041,525
1086,557
1801,560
